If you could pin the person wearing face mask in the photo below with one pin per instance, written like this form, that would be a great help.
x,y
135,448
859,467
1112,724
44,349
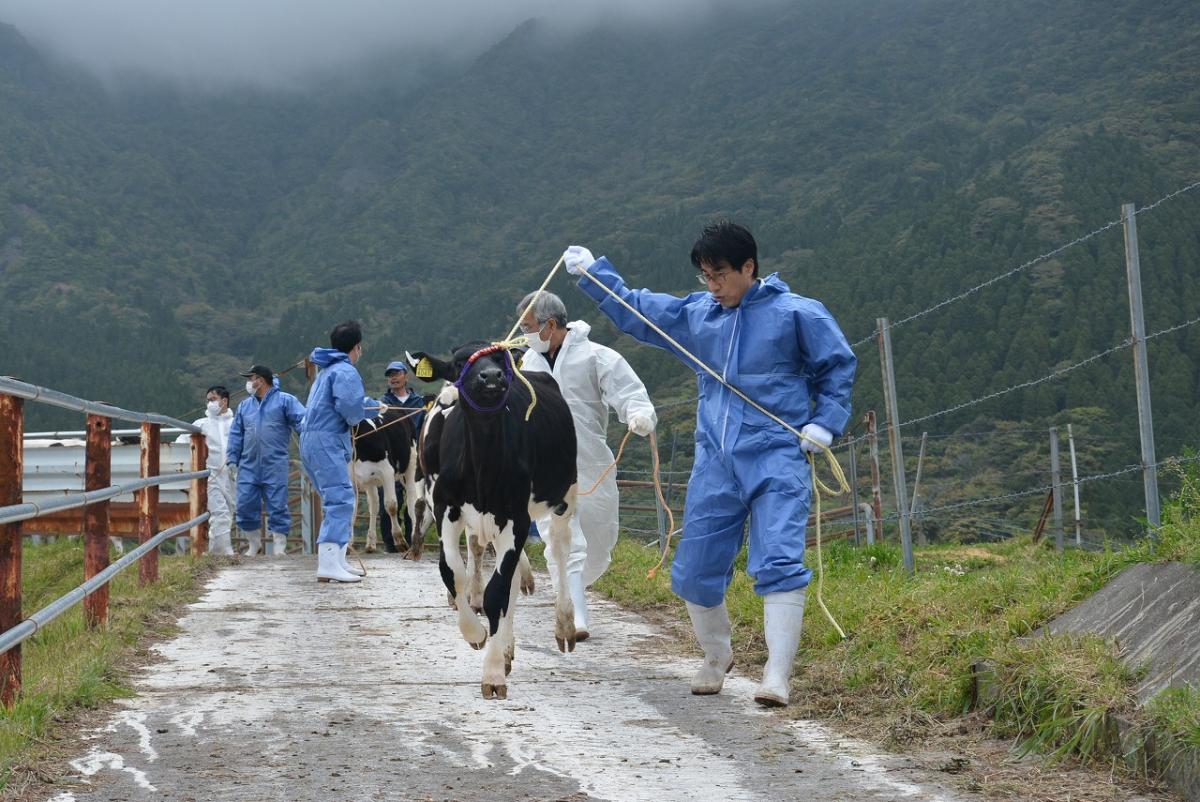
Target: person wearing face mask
x,y
258,447
399,395
787,353
216,423
336,402
593,378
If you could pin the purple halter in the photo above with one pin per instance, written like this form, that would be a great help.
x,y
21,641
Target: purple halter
x,y
508,376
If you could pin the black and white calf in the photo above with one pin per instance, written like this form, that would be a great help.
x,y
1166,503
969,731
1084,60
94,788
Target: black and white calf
x,y
382,454
419,482
494,472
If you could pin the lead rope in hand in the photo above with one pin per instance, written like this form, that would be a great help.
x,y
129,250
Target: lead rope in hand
x,y
818,485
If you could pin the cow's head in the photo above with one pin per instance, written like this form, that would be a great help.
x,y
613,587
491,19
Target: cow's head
x,y
482,372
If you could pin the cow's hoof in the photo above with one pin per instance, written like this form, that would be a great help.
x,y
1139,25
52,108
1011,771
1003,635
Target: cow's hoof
x,y
565,644
370,549
478,609
413,554
494,691
527,586
480,644
507,667
450,601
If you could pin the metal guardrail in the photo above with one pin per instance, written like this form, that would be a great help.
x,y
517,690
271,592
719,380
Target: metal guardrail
x,y
44,395
32,509
54,609
97,517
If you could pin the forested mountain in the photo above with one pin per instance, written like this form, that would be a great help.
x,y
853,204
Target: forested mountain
x,y
887,155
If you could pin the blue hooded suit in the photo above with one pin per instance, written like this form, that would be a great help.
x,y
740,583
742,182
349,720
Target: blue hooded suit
x,y
786,352
335,403
258,445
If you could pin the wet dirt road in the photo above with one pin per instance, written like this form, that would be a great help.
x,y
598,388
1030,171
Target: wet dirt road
x,y
278,688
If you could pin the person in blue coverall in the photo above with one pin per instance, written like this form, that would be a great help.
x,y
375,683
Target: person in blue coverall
x,y
787,353
258,447
335,403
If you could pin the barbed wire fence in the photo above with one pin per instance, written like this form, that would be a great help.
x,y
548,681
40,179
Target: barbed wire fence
x,y
856,443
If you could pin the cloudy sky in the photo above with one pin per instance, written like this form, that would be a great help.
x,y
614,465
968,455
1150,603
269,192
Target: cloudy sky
x,y
278,42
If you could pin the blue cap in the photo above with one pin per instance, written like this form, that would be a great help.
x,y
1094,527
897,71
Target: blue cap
x,y
398,365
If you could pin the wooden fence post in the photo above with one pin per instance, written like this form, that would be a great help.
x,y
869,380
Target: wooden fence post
x,y
98,475
198,496
148,502
11,467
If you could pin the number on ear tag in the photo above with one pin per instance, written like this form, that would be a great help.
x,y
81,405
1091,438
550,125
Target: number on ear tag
x,y
424,368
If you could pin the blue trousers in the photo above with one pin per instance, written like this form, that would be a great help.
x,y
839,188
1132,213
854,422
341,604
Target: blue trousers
x,y
250,497
326,460
764,476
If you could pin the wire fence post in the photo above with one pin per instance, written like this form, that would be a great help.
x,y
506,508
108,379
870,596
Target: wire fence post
x,y
917,489
1075,484
854,489
897,449
97,476
1141,368
12,425
876,531
198,495
1056,493
148,502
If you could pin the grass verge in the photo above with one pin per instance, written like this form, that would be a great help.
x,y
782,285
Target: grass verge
x,y
68,668
908,660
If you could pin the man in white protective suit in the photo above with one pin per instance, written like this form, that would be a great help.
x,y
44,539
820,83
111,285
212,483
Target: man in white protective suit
x,y
215,424
592,378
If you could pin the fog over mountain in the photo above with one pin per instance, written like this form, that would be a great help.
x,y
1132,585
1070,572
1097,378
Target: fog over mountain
x,y
283,43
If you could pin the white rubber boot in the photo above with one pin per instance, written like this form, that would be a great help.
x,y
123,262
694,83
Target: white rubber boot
x,y
254,539
711,625
221,544
783,618
346,566
579,602
279,544
329,568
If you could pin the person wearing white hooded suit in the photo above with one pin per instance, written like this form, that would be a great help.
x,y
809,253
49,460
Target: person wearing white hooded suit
x,y
593,378
215,425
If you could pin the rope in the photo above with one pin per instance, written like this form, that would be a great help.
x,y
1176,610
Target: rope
x,y
384,408
609,469
818,486
529,308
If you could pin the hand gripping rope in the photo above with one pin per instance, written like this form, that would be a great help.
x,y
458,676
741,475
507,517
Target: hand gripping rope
x,y
819,487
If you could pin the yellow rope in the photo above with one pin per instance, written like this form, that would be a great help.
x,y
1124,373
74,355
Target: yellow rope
x,y
513,331
609,469
818,485
661,500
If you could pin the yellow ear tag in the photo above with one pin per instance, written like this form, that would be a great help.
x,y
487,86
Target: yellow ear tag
x,y
424,368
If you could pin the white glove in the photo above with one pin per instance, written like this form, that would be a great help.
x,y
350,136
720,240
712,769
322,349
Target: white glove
x,y
578,260
641,425
812,432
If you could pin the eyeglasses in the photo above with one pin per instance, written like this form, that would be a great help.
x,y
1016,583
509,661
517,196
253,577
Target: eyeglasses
x,y
718,278
534,329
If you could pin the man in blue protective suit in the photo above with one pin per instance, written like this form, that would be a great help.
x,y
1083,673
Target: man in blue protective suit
x,y
258,447
335,403
787,353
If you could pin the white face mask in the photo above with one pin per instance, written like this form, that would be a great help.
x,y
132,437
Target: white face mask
x,y
250,388
536,343
214,407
